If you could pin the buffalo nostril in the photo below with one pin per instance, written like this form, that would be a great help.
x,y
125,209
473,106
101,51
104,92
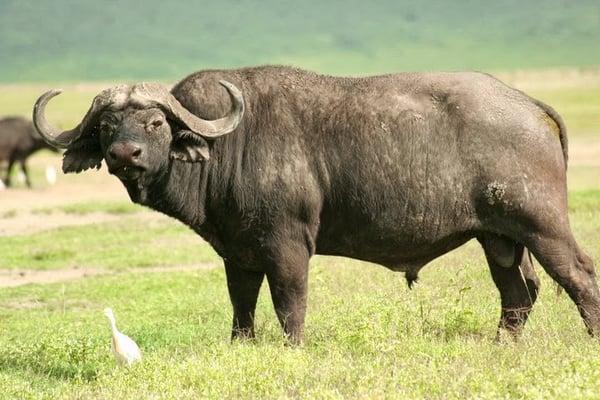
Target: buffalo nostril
x,y
136,153
112,155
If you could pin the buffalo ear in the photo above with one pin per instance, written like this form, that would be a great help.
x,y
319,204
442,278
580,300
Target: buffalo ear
x,y
189,147
83,154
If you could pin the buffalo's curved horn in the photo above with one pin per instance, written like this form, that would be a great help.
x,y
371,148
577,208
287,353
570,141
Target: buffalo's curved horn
x,y
207,128
51,135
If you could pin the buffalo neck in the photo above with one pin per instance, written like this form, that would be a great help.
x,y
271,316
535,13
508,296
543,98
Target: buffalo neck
x,y
187,191
181,192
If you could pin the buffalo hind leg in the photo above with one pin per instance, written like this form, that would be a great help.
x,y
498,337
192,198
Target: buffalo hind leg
x,y
572,269
243,289
25,172
512,271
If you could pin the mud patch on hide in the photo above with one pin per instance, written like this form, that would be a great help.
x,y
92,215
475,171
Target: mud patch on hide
x,y
495,192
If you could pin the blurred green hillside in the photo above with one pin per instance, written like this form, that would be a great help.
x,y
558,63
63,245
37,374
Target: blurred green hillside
x,y
72,40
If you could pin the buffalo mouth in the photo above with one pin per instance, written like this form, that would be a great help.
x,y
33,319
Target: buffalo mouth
x,y
128,172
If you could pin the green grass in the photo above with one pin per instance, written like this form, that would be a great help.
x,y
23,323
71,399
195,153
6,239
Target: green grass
x,y
164,40
579,107
89,207
127,243
368,335
585,200
117,208
66,110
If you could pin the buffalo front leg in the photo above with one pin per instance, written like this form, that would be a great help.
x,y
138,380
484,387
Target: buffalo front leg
x,y
243,289
288,282
7,182
512,271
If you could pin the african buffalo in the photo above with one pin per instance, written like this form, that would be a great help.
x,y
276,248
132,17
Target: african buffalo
x,y
395,169
19,140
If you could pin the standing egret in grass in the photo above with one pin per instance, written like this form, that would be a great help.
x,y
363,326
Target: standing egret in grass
x,y
126,351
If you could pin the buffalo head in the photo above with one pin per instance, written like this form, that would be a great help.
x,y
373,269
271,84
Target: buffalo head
x,y
136,129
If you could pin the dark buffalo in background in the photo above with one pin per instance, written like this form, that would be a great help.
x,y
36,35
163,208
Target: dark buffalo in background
x,y
19,140
396,169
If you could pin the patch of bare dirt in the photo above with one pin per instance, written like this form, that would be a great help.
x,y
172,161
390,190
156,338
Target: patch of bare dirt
x,y
551,78
585,152
18,205
25,222
30,223
96,185
14,278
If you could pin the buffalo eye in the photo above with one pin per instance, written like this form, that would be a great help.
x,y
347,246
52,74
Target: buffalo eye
x,y
155,124
106,127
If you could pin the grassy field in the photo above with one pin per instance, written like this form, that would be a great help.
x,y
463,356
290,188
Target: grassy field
x,y
44,42
574,93
368,335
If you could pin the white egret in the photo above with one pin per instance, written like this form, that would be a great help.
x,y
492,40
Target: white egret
x,y
51,174
126,351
